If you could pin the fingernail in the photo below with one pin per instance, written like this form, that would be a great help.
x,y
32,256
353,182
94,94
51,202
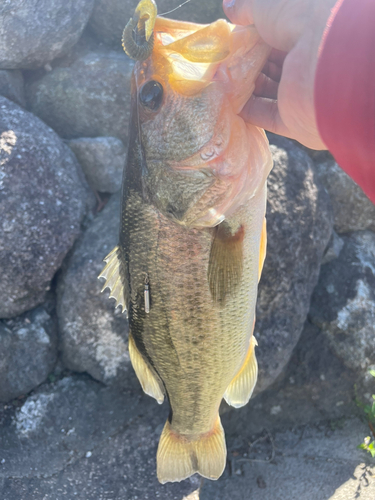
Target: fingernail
x,y
228,4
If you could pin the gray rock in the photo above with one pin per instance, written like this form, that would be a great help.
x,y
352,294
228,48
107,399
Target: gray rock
x,y
87,43
12,86
43,199
90,329
28,352
71,417
299,227
315,386
352,210
93,335
343,304
78,439
109,17
36,31
102,160
333,249
298,464
90,98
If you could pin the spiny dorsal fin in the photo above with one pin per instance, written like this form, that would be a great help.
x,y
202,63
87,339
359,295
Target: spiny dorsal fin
x,y
226,261
113,281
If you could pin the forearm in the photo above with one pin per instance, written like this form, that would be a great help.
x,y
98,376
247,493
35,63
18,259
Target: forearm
x,y
345,90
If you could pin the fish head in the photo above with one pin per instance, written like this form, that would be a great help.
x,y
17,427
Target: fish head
x,y
201,160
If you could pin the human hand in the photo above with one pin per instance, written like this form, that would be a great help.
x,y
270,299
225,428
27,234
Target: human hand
x,y
283,100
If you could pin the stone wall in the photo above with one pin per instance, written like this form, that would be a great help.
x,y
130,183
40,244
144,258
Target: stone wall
x,y
64,113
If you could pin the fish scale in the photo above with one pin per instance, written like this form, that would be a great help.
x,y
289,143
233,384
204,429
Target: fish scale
x,y
174,337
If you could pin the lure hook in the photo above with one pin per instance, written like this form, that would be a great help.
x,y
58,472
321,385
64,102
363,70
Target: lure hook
x,y
138,35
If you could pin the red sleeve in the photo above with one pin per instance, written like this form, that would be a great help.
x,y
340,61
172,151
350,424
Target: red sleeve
x,y
345,90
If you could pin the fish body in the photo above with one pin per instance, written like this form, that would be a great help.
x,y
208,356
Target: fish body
x,y
192,239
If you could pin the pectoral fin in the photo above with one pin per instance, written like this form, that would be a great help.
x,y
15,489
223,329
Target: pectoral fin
x,y
241,388
150,382
113,280
226,261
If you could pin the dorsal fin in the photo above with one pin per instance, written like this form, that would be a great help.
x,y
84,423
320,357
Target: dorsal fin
x,y
111,274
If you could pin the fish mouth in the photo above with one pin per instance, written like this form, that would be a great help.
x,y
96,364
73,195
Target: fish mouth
x,y
221,52
190,56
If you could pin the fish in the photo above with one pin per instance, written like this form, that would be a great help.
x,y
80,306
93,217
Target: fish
x,y
192,239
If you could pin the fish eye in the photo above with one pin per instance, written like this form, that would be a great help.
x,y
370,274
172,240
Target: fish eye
x,y
151,95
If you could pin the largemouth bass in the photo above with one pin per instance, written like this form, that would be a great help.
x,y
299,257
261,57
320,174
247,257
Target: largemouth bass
x,y
193,238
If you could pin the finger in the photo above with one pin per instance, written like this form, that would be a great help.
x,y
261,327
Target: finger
x,y
265,87
264,113
277,56
239,11
273,71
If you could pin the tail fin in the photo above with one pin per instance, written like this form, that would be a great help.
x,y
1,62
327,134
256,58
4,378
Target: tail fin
x,y
179,458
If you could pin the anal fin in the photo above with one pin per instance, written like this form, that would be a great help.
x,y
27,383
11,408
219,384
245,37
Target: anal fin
x,y
113,281
242,386
263,248
179,457
149,381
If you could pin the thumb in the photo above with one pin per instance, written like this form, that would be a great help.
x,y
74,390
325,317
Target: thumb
x,y
264,113
239,11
